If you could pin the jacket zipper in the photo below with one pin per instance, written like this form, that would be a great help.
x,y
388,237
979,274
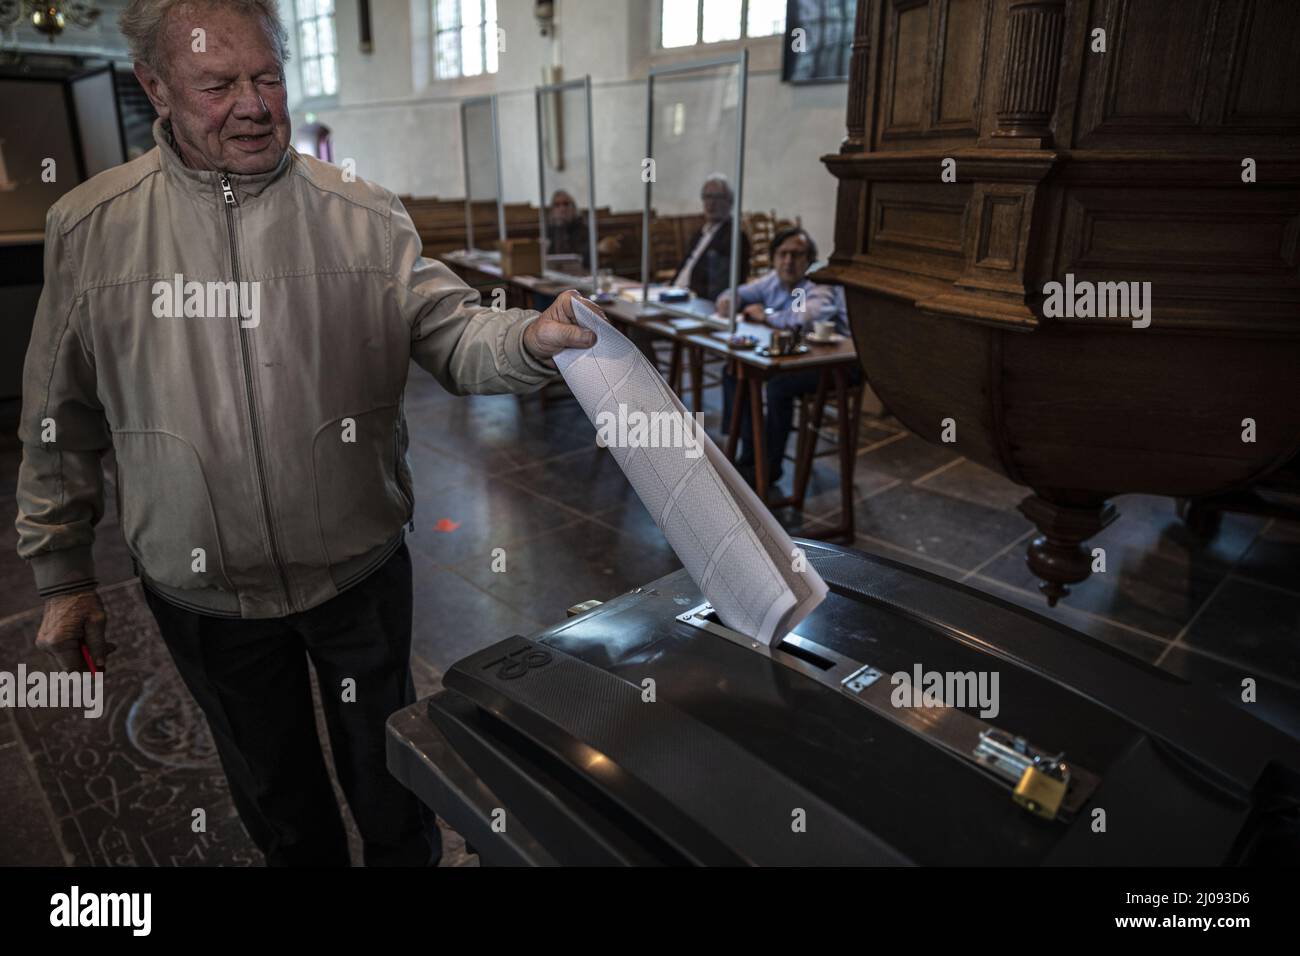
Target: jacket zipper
x,y
228,195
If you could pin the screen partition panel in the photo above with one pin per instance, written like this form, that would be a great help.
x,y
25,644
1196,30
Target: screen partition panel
x,y
481,154
694,169
566,177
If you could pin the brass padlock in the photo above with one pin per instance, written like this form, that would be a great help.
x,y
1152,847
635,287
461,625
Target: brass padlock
x,y
1041,793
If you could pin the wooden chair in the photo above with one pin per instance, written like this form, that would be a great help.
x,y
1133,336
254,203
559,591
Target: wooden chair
x,y
760,227
814,424
665,250
665,257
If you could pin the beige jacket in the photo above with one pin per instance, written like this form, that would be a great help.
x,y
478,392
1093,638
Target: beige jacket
x,y
261,451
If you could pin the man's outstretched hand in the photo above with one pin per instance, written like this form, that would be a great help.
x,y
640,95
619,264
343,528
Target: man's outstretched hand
x,y
558,330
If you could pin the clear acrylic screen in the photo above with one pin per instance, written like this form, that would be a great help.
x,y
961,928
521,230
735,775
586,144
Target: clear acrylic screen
x,y
566,187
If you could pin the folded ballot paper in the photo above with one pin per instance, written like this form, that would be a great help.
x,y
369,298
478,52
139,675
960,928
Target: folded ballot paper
x,y
745,564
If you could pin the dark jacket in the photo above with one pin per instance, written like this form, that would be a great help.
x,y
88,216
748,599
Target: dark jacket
x,y
572,238
712,273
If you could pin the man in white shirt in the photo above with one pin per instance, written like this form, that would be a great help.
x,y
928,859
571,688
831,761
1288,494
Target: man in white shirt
x,y
706,270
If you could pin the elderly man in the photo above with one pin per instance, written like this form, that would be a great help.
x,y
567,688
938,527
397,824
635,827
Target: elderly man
x,y
236,321
566,228
706,270
785,298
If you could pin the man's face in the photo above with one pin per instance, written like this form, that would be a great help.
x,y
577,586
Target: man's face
x,y
563,209
717,201
791,259
227,104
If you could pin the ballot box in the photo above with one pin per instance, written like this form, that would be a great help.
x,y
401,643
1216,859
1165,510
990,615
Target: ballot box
x,y
908,720
521,257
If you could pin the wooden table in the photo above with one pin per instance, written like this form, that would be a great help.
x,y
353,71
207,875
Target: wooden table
x,y
753,370
483,269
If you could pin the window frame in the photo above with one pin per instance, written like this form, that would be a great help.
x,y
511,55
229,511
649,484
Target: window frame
x,y
744,36
436,33
324,96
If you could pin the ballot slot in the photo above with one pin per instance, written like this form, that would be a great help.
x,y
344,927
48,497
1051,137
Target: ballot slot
x,y
794,650
792,644
805,651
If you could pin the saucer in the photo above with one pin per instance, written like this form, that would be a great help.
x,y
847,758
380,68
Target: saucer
x,y
829,340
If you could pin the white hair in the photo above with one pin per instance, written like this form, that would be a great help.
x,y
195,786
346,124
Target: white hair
x,y
726,184
142,25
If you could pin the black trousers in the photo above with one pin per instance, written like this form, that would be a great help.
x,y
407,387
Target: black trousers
x,y
250,678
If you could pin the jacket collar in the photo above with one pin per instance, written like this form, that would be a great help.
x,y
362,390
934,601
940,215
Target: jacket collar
x,y
207,180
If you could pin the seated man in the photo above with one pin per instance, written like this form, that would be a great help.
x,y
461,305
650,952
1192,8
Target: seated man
x,y
706,270
773,299
566,229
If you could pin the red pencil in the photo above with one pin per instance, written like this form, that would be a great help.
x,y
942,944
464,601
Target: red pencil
x,y
85,653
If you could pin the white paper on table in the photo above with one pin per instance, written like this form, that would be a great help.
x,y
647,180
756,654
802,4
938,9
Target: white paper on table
x,y
733,548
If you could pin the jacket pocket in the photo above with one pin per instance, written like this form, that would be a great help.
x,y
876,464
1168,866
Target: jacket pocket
x,y
402,469
166,511
360,496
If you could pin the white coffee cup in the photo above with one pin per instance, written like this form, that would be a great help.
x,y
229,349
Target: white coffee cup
x,y
824,328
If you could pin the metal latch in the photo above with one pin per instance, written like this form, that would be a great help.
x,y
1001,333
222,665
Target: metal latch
x,y
582,608
861,679
1041,780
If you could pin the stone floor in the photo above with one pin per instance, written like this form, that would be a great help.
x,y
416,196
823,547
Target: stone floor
x,y
498,472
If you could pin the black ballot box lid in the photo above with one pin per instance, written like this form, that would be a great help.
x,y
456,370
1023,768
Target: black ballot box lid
x,y
644,732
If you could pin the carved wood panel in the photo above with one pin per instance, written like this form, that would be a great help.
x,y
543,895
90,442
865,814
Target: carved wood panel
x,y
918,225
1001,230
962,36
905,88
1158,65
1231,259
933,64
1262,89
1185,74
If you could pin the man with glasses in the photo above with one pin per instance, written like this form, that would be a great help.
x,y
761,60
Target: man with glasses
x,y
785,298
